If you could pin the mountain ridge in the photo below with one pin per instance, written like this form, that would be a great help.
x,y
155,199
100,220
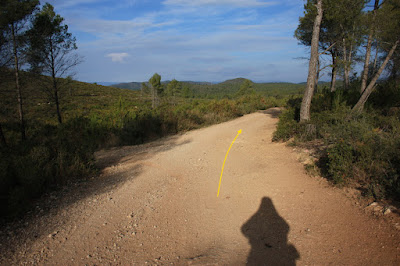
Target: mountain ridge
x,y
134,85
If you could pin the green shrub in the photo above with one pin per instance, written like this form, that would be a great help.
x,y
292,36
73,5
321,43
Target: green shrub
x,y
340,162
54,155
362,150
287,126
385,96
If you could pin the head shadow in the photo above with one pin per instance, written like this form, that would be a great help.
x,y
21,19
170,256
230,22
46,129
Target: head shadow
x,y
267,233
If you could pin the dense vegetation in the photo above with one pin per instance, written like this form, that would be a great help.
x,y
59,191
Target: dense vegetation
x,y
361,151
357,124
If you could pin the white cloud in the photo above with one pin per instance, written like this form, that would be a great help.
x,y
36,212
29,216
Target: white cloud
x,y
186,39
72,3
118,57
237,3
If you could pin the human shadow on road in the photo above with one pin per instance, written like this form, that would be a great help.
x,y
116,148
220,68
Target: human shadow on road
x,y
267,233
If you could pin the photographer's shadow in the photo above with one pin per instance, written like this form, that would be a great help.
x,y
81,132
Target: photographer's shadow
x,y
267,234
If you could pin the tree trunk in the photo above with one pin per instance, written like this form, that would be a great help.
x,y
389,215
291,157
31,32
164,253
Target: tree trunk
x,y
55,85
376,58
3,142
312,68
367,92
56,98
364,77
334,73
346,74
57,101
153,103
350,60
317,77
17,84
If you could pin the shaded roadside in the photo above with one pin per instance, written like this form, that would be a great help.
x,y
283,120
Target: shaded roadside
x,y
272,112
52,211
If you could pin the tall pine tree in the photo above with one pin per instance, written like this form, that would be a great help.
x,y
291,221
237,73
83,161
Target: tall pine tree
x,y
50,51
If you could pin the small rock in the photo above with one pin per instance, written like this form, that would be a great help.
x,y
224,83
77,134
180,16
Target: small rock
x,y
387,211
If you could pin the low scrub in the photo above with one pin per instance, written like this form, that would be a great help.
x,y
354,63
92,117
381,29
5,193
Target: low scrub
x,y
361,151
52,156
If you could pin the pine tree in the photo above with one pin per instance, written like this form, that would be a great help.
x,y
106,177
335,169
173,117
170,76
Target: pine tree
x,y
50,51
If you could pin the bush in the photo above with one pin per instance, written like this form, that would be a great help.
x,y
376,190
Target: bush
x,y
363,150
287,126
53,156
340,162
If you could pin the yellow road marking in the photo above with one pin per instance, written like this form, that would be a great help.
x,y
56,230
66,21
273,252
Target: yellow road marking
x,y
223,165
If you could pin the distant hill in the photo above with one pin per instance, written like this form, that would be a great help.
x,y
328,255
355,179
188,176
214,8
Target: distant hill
x,y
227,88
319,82
128,85
197,82
233,81
137,85
104,83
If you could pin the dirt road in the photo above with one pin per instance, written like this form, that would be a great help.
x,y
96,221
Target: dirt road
x,y
157,204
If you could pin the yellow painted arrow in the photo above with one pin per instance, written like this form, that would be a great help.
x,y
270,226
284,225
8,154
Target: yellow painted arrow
x,y
223,165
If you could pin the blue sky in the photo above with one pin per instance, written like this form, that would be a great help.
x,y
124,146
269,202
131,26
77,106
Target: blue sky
x,y
199,40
